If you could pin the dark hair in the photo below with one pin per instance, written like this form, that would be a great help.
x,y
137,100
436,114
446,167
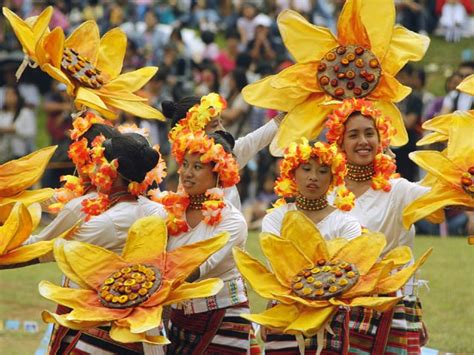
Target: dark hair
x,y
243,60
98,129
20,101
240,78
177,110
208,37
225,139
134,154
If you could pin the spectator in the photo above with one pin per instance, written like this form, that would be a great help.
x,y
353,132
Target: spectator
x,y
246,24
453,19
456,100
262,48
226,59
235,116
17,126
211,50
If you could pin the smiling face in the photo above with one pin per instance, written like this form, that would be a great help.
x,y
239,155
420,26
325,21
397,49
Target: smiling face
x,y
361,140
195,176
313,179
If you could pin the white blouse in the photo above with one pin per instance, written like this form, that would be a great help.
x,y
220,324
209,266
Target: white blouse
x,y
382,211
336,224
245,149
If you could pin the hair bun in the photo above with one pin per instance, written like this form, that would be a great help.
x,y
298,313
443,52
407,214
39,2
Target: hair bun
x,y
169,108
229,138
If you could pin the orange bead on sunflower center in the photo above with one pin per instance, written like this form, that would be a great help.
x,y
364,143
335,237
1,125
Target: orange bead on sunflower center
x,y
130,286
325,280
81,69
467,181
349,71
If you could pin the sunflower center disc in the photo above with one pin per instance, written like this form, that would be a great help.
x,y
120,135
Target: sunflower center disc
x,y
324,280
130,286
467,181
81,69
348,71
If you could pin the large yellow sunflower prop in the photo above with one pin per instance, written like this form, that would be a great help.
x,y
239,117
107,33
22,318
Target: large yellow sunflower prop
x,y
129,291
451,174
312,277
17,223
29,32
19,174
467,85
361,62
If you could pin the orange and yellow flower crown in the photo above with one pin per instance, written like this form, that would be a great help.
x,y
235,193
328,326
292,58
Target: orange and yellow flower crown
x,y
200,115
384,167
225,166
326,154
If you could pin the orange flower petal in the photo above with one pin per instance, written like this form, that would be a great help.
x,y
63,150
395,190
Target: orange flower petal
x,y
142,319
350,28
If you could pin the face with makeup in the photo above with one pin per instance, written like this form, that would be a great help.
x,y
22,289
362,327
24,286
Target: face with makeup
x,y
195,176
360,141
313,179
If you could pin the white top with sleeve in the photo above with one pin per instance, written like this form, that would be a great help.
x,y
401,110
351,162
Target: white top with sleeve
x,y
337,224
245,149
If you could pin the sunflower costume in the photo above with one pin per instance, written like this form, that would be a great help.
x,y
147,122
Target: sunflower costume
x,y
361,61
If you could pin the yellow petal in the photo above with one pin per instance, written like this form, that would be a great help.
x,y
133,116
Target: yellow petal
x,y
404,46
439,123
89,98
350,29
142,319
440,196
302,232
111,53
460,142
181,262
431,138
301,75
85,304
438,165
146,241
188,291
390,110
362,251
132,81
284,268
26,253
334,245
85,39
263,94
124,335
260,279
63,264
310,320
389,89
58,75
161,295
19,174
92,263
49,317
379,27
28,197
138,109
29,35
35,213
467,85
304,41
278,317
304,120
50,48
16,229
399,256
395,282
380,304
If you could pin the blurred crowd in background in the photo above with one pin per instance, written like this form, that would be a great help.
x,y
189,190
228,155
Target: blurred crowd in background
x,y
215,46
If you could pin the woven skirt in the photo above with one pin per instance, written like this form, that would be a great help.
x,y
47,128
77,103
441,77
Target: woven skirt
x,y
220,331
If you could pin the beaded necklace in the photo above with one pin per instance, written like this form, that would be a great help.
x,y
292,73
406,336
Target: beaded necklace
x,y
307,204
360,173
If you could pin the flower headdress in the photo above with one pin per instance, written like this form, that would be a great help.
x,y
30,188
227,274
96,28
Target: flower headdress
x,y
200,115
225,166
300,153
384,167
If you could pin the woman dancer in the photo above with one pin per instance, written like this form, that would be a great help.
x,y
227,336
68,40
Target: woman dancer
x,y
363,133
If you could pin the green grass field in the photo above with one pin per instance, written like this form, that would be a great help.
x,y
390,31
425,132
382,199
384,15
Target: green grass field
x,y
448,305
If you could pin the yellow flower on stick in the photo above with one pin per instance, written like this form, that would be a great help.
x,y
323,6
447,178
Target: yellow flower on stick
x,y
28,32
361,61
129,291
467,85
90,66
16,176
312,277
17,222
451,174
